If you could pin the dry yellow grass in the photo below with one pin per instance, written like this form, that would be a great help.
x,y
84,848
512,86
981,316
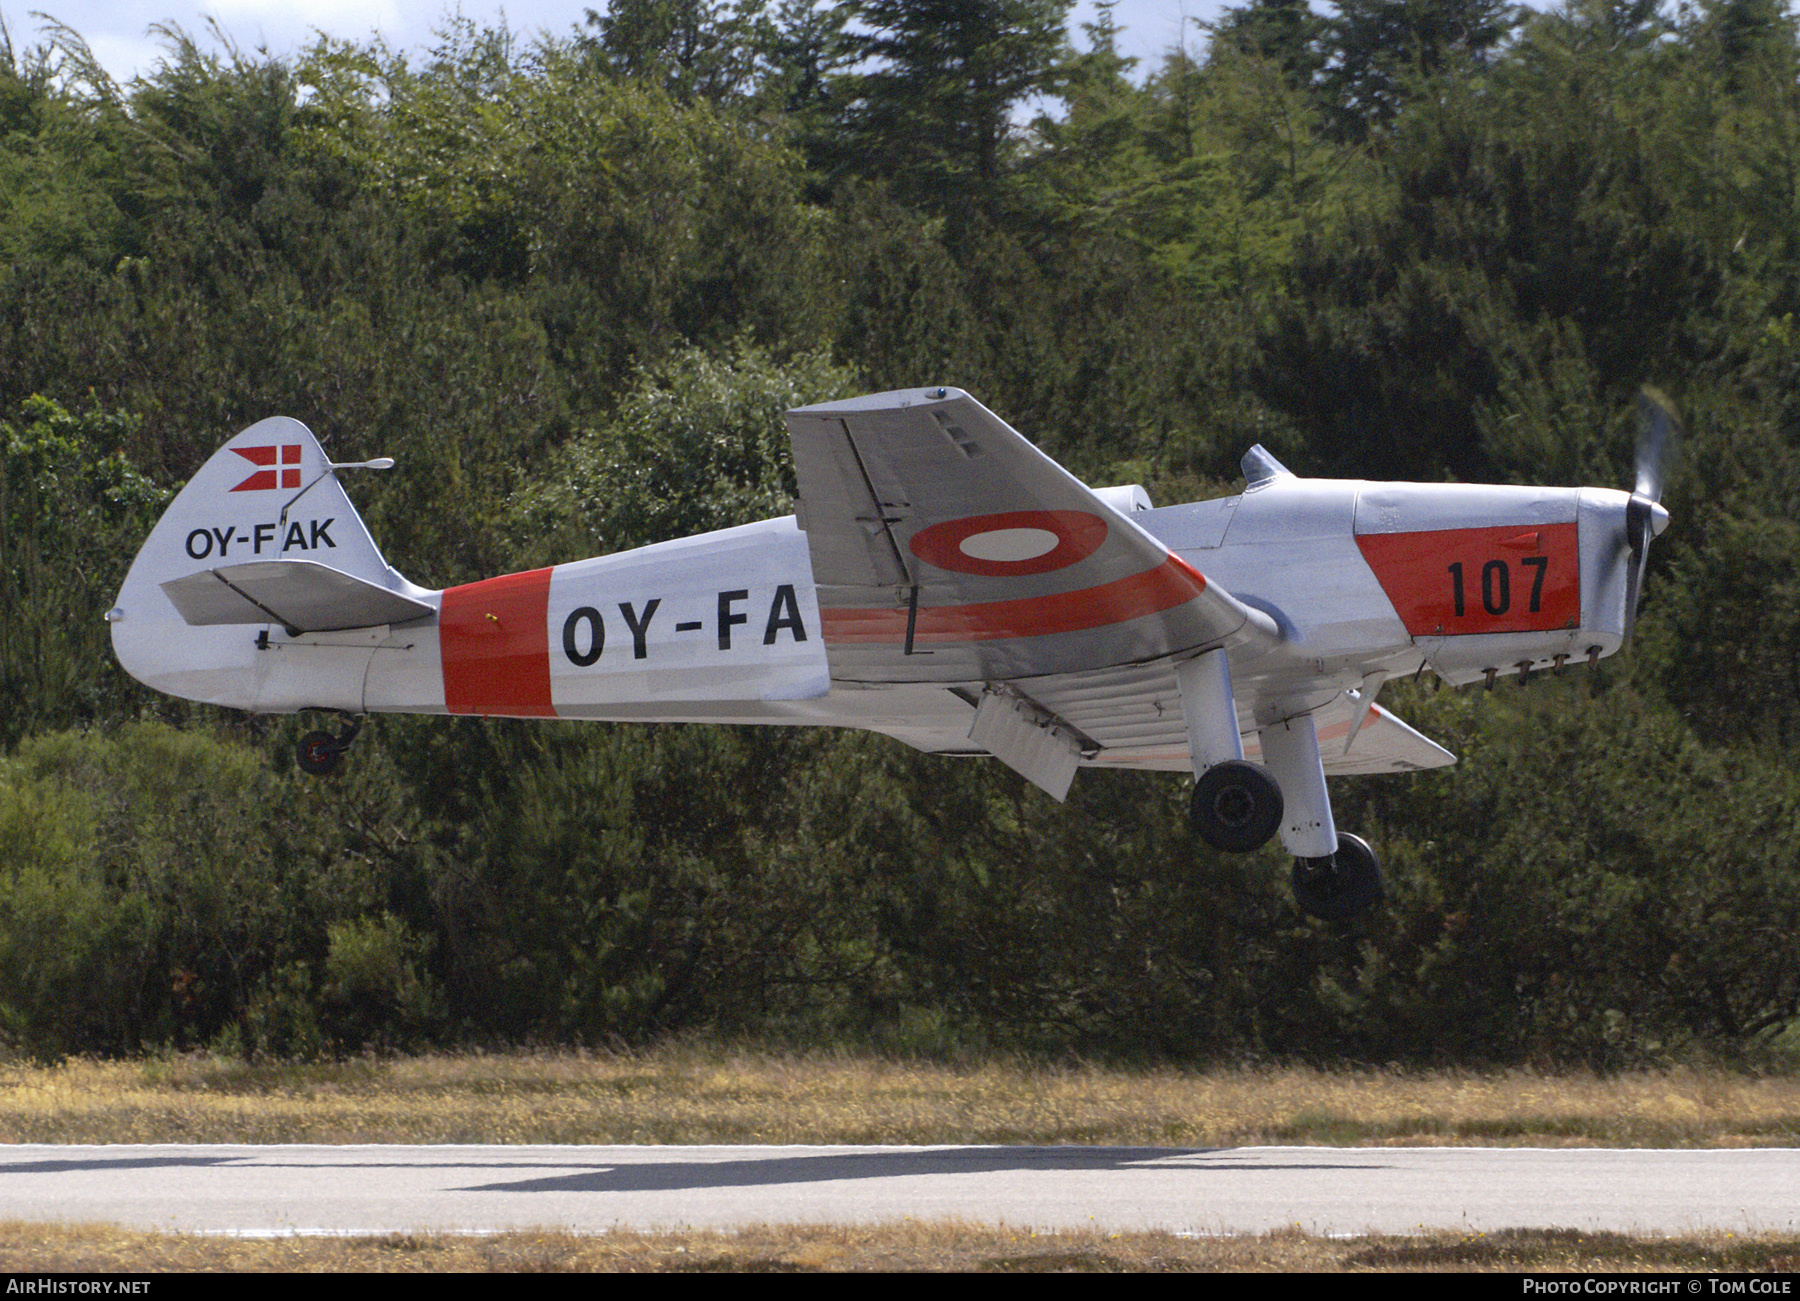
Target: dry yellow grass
x,y
691,1095
909,1245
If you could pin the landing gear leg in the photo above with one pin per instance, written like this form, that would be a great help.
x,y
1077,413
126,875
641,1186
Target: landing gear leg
x,y
1291,751
1237,805
1336,876
319,753
1342,886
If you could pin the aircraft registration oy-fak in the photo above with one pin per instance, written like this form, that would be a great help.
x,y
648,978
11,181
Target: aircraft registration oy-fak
x,y
942,582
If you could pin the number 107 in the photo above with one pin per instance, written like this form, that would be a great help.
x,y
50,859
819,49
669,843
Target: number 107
x,y
1496,585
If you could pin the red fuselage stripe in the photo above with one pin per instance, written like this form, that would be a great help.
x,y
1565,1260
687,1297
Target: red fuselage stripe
x,y
496,647
1172,583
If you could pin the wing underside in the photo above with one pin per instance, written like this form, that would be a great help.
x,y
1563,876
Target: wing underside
x,y
1130,717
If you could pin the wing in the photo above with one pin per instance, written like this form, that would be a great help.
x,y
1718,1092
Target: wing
x,y
946,548
1130,717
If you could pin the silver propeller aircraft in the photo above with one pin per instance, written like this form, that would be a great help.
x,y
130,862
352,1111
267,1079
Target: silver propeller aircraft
x,y
943,582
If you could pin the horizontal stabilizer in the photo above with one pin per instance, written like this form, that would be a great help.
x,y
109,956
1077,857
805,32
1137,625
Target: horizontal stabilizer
x,y
300,595
1383,743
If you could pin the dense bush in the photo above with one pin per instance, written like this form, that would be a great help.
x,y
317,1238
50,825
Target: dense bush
x,y
572,285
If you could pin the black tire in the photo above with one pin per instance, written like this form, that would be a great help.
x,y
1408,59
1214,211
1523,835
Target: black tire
x,y
318,753
1343,886
1237,806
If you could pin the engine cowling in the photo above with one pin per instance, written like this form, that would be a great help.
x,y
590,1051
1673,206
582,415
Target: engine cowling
x,y
1494,580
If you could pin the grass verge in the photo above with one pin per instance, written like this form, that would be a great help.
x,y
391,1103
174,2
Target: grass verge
x,y
910,1246
684,1094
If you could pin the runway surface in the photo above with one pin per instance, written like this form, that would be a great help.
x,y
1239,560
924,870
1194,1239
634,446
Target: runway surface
x,y
305,1189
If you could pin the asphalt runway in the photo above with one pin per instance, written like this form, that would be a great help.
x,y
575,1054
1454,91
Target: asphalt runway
x,y
319,1189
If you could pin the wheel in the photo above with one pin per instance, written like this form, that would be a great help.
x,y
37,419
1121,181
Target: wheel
x,y
1237,806
318,753
1338,888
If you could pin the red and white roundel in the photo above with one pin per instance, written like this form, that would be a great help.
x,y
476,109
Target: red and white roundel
x,y
1011,542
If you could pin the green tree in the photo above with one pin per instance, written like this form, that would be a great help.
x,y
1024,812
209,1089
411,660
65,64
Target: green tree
x,y
1382,51
1621,905
934,114
63,190
72,513
697,444
159,887
1285,32
693,49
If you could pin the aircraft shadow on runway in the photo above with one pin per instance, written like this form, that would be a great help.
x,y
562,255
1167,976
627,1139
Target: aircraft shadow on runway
x,y
653,1176
581,1173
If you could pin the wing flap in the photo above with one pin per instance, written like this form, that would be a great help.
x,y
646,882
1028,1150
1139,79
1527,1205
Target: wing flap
x,y
1027,741
299,594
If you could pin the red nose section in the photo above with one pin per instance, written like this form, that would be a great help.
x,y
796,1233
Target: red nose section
x,y
1452,582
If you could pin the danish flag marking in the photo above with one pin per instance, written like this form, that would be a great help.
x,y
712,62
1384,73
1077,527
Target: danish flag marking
x,y
288,476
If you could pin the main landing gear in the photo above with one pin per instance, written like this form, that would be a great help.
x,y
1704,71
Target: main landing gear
x,y
1238,806
1336,889
319,753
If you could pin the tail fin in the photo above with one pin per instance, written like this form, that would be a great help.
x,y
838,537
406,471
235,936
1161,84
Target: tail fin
x,y
263,534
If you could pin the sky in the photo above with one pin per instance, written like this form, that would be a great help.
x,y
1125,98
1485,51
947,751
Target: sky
x,y
118,31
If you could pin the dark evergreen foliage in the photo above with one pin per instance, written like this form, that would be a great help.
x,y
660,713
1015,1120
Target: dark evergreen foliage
x,y
572,285
931,111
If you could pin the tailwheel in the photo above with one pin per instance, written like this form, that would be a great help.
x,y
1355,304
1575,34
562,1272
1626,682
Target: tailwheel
x,y
318,754
1237,806
1343,886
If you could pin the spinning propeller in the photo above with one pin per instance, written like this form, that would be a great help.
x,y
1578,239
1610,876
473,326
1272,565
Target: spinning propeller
x,y
1658,429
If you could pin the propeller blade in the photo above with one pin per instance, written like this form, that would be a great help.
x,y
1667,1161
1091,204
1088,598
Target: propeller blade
x,y
1658,429
1640,527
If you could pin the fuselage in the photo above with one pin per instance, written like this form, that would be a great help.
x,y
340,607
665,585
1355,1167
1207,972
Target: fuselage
x,y
1358,577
